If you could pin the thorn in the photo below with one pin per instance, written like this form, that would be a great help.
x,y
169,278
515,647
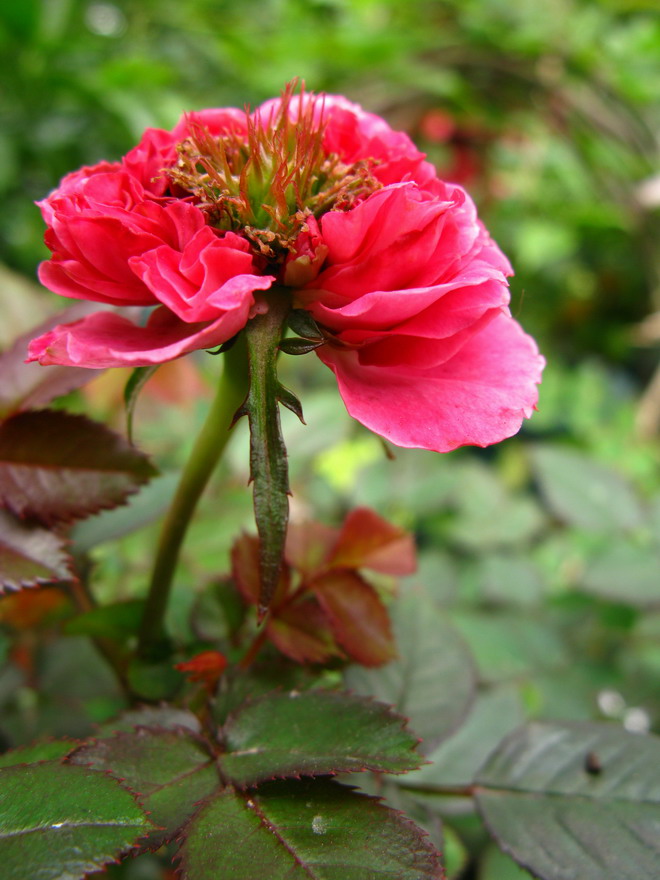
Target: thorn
x,y
262,611
240,412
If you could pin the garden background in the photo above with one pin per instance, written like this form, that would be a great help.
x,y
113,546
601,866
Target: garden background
x,y
543,552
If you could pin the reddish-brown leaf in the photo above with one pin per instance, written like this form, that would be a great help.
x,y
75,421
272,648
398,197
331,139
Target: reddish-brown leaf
x,y
358,618
30,554
56,467
245,570
367,540
301,632
308,546
25,386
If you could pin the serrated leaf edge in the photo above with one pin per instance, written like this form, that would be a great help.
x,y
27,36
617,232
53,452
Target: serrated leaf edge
x,y
181,840
390,710
139,796
53,521
68,562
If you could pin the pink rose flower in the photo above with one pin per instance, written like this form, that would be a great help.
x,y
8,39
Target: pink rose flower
x,y
312,199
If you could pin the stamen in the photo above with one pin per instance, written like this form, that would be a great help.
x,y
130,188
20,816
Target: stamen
x,y
266,183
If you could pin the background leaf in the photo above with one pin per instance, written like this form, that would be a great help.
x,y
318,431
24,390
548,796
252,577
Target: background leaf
x,y
575,801
624,571
27,386
358,619
30,554
584,492
57,467
496,865
313,733
432,682
366,540
506,645
148,504
58,822
300,830
119,621
456,760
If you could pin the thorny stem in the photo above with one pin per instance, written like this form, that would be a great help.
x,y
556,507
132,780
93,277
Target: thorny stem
x,y
268,463
260,638
203,459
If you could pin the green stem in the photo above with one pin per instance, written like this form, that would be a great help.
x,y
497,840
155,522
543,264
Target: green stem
x,y
204,457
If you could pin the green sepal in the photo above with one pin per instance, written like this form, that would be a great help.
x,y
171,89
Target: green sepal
x,y
302,323
221,349
292,345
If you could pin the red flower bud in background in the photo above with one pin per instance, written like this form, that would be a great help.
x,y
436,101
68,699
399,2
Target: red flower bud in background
x,y
205,667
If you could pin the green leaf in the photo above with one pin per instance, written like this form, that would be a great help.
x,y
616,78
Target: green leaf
x,y
496,865
147,505
433,680
59,822
575,801
314,733
57,467
312,830
269,469
489,516
509,580
238,686
168,717
455,854
136,382
30,554
454,763
43,751
626,572
585,493
153,679
508,645
172,770
119,621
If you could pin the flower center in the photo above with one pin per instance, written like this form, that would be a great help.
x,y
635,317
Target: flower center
x,y
266,183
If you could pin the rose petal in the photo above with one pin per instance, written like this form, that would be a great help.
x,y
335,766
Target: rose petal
x,y
478,397
105,339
